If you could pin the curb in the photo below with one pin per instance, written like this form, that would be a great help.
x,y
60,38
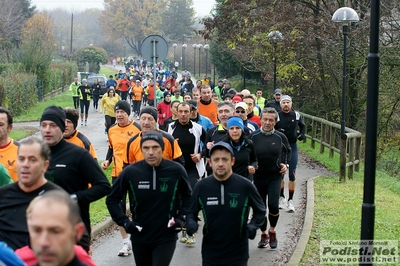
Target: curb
x,y
307,226
99,227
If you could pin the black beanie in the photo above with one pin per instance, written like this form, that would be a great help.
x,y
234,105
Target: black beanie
x,y
74,119
149,110
122,105
153,135
55,114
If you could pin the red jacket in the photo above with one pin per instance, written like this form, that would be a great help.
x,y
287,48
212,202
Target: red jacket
x,y
163,108
124,85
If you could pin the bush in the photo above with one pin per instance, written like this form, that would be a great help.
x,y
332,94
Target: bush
x,y
18,91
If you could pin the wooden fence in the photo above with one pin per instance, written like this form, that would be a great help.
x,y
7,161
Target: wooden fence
x,y
328,135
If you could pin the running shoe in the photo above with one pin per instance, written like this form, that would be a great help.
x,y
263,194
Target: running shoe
x,y
191,240
125,251
273,242
290,205
282,202
183,238
264,241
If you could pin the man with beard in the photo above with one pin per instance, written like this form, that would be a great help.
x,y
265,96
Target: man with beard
x,y
276,103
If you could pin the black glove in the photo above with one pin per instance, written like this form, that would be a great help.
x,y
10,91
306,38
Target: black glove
x,y
251,231
301,137
191,227
177,226
132,227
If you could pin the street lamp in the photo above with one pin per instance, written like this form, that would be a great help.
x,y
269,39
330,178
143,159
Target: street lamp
x,y
174,45
345,15
199,46
194,59
275,37
206,47
183,55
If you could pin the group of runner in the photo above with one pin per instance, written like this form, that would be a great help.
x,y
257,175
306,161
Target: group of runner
x,y
214,149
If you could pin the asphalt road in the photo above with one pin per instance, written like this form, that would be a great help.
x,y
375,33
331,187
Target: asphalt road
x,y
289,226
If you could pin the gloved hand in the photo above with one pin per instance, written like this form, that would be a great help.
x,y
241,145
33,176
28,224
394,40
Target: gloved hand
x,y
301,137
191,227
175,224
251,231
132,227
281,130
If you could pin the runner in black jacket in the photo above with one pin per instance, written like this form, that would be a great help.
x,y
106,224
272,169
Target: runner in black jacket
x,y
159,195
225,199
291,124
273,153
72,167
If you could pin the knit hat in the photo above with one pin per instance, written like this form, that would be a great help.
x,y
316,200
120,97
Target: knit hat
x,y
286,98
55,114
166,93
153,135
221,144
278,91
235,121
149,110
74,119
122,105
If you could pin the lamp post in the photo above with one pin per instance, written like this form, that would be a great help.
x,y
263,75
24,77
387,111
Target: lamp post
x,y
368,206
183,55
194,59
199,46
206,48
275,37
345,15
174,45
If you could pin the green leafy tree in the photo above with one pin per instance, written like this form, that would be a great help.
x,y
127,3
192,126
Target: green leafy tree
x,y
37,45
178,19
132,20
94,56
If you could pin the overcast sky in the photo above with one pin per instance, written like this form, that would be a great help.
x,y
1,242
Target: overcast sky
x,y
202,7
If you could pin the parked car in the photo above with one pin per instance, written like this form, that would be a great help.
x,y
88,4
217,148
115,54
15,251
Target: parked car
x,y
102,81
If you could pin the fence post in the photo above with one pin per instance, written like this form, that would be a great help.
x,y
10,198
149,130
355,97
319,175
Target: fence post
x,y
350,174
332,134
323,134
358,154
313,133
39,89
342,164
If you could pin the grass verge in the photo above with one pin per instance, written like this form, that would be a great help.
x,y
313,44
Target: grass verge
x,y
337,213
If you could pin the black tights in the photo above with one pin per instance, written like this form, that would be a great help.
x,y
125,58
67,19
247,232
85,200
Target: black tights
x,y
159,254
270,188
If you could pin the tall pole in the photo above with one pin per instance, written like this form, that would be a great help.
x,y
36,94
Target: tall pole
x,y
275,37
174,45
184,55
154,42
343,121
274,67
206,47
368,206
199,46
194,59
72,29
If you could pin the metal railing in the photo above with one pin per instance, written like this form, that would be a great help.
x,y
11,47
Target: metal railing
x,y
327,133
